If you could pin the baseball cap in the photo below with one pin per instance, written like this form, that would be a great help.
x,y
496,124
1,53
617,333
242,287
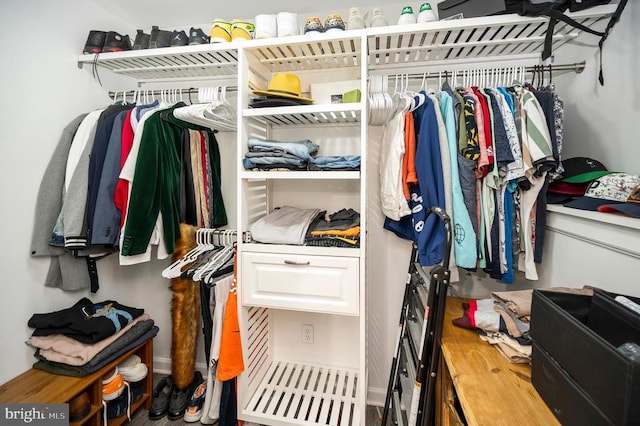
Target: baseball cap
x,y
582,169
562,192
630,207
610,189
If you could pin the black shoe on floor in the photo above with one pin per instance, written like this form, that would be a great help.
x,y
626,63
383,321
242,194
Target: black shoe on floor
x,y
181,397
197,36
159,38
95,42
116,42
142,40
179,38
161,398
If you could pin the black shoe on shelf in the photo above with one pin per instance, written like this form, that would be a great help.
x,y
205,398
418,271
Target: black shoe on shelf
x,y
197,36
181,397
142,40
95,42
159,38
116,42
161,398
179,38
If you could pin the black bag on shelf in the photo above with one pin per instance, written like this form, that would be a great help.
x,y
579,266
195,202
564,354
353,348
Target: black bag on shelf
x,y
555,10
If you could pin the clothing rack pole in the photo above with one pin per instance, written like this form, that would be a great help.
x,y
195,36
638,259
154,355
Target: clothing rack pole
x,y
159,92
577,67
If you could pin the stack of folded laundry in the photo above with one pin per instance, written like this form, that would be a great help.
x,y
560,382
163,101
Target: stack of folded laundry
x,y
503,320
265,154
340,229
85,337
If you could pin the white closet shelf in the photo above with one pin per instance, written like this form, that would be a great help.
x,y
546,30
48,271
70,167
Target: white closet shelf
x,y
308,114
204,61
308,52
607,218
305,394
389,48
307,175
471,40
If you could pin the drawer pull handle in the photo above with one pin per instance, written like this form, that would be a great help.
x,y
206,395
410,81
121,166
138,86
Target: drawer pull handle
x,y
293,262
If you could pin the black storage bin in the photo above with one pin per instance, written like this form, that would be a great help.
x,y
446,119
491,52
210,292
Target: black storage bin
x,y
574,343
470,8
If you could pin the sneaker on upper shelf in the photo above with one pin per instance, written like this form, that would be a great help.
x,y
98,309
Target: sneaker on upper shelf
x,y
115,42
159,38
197,36
179,38
220,31
407,16
95,42
141,41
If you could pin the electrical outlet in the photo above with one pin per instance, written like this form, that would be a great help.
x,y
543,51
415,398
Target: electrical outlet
x,y
307,333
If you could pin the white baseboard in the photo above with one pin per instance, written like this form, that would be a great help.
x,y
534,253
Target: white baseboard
x,y
162,365
376,396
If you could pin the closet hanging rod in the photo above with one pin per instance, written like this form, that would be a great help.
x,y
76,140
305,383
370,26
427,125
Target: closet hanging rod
x,y
577,67
168,92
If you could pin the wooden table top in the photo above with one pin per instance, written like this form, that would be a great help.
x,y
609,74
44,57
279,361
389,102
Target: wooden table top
x,y
491,390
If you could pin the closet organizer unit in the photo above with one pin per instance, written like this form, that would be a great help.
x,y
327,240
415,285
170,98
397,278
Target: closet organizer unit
x,y
288,288
284,288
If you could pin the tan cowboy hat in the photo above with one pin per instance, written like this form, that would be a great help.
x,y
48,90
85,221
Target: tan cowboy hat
x,y
284,85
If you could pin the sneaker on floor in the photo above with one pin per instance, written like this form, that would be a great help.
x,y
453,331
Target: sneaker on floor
x,y
142,40
220,31
115,42
194,408
95,42
159,38
180,397
161,398
179,38
197,36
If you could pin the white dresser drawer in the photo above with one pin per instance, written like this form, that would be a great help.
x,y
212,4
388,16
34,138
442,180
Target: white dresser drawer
x,y
301,282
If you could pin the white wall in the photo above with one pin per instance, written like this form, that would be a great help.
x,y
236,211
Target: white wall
x,y
43,90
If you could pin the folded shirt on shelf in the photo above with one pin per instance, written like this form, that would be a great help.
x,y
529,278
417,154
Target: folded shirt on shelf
x,y
303,149
285,225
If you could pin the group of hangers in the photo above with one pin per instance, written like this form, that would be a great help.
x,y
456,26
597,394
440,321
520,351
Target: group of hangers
x,y
208,260
212,109
538,76
383,105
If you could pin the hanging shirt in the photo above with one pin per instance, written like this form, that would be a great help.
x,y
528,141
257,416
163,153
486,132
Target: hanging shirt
x,y
393,203
431,238
464,243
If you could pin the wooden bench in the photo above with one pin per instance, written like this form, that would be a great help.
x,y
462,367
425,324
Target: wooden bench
x,y
477,386
40,387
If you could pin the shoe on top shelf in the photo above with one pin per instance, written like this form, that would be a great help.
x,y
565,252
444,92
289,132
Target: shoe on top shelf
x,y
407,16
141,41
159,38
355,21
95,42
378,19
220,31
197,36
334,23
115,42
241,30
426,13
179,38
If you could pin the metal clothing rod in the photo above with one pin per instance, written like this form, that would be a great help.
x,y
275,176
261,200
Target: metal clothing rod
x,y
577,67
183,93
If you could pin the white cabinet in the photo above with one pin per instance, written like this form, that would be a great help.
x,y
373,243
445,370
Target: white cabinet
x,y
285,289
